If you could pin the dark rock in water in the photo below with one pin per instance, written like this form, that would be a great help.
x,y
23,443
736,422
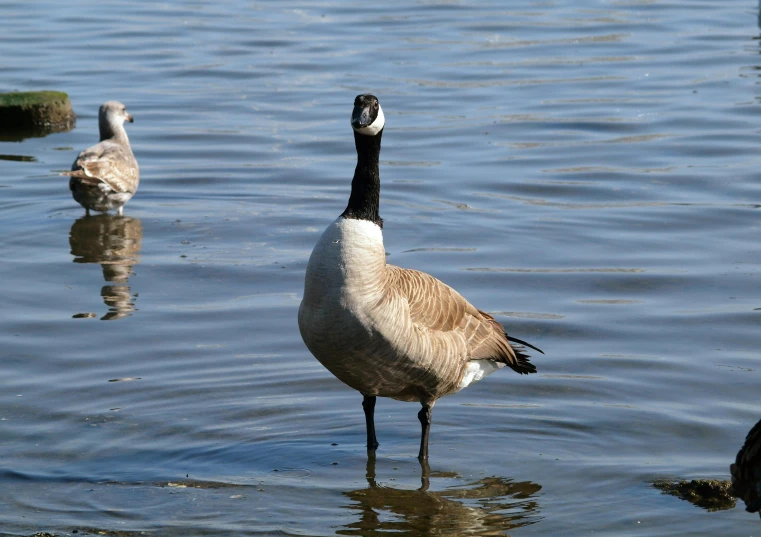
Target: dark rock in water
x,y
746,471
34,113
710,494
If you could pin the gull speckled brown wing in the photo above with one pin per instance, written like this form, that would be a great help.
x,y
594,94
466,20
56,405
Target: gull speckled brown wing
x,y
435,306
108,162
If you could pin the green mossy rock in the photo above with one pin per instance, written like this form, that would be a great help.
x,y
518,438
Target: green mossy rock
x,y
710,494
35,113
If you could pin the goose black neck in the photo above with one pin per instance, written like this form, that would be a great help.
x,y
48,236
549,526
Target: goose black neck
x,y
364,201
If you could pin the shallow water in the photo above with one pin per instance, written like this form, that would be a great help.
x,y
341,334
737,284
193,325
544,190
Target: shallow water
x,y
587,171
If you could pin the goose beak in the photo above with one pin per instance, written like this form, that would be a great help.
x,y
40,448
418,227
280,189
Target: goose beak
x,y
129,118
367,116
360,117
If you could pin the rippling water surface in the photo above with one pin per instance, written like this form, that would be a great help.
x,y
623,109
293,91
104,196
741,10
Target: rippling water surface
x,y
587,171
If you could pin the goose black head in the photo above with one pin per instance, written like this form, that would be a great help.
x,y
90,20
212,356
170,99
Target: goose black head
x,y
367,117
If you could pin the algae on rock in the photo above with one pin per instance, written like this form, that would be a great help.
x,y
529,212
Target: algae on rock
x,y
35,113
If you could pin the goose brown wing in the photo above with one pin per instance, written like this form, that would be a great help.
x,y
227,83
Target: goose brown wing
x,y
435,306
109,162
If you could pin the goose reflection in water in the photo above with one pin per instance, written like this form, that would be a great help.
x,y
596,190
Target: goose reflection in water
x,y
746,471
114,242
489,506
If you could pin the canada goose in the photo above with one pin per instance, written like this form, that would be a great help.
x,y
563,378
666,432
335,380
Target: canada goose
x,y
746,471
384,330
105,176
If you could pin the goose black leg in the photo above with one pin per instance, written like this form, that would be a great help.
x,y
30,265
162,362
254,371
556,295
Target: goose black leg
x,y
370,472
425,474
368,405
425,422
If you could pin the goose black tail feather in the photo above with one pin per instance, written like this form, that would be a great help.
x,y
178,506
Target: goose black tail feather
x,y
522,365
520,341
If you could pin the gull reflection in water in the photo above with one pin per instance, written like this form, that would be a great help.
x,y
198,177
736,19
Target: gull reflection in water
x,y
746,471
488,506
114,242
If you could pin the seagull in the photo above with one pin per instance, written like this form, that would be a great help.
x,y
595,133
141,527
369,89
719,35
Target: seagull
x,y
105,176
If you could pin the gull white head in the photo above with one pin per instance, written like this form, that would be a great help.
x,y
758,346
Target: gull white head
x,y
367,117
111,118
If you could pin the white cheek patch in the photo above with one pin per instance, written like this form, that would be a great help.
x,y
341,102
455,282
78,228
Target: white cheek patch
x,y
375,127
